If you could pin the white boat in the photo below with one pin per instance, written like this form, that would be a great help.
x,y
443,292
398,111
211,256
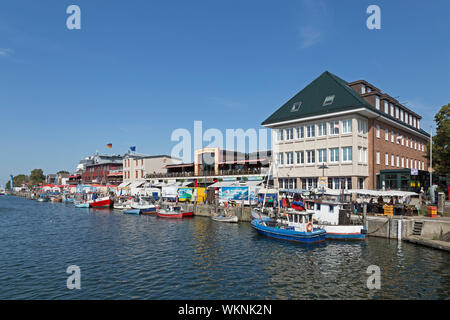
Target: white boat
x,y
229,219
327,216
122,204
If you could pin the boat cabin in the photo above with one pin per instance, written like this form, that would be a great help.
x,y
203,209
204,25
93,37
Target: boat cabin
x,y
325,212
299,220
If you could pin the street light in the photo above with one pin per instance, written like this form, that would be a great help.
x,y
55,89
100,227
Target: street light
x,y
323,166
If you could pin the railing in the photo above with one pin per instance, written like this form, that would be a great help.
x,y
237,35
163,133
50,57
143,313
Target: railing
x,y
236,172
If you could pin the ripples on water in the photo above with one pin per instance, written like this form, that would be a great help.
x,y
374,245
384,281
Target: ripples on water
x,y
145,257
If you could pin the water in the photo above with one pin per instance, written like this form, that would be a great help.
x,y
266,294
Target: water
x,y
145,257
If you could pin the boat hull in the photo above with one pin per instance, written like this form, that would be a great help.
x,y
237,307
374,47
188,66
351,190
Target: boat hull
x,y
148,211
232,219
290,235
101,203
349,232
175,215
82,205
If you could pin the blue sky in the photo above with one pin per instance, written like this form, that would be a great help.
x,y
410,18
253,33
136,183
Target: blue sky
x,y
137,70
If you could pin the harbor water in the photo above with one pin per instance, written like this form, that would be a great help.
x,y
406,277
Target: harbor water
x,y
145,257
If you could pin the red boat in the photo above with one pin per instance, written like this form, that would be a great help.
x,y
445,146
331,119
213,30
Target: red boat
x,y
174,212
105,202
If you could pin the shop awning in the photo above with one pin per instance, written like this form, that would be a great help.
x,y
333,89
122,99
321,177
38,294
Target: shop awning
x,y
137,184
124,184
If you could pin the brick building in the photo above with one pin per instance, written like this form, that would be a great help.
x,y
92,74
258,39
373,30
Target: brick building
x,y
350,134
100,173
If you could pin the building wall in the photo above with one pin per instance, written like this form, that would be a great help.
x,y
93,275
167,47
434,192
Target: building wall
x,y
399,147
354,168
135,169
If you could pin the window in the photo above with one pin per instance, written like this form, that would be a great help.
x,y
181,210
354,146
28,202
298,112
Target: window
x,y
386,134
363,89
296,106
136,174
377,102
407,162
300,157
347,126
322,129
280,135
300,132
289,133
280,159
360,183
310,131
423,165
392,160
392,136
386,159
310,156
415,122
415,164
378,157
386,107
347,154
378,131
334,155
322,153
407,141
362,126
418,123
398,161
334,127
401,114
362,154
392,109
403,162
289,158
397,112
369,89
328,100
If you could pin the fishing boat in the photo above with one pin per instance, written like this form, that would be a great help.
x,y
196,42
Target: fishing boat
x,y
82,205
42,199
132,211
144,204
229,219
175,212
122,204
104,202
298,227
331,217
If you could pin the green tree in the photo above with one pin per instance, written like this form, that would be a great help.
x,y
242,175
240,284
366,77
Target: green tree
x,y
37,176
18,181
441,150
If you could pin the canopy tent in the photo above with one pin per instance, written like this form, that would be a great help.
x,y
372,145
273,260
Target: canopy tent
x,y
123,185
137,184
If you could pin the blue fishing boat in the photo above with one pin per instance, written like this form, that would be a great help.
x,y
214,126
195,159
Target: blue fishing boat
x,y
132,211
297,227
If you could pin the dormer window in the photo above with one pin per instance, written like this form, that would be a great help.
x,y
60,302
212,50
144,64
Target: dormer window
x,y
363,89
296,106
328,100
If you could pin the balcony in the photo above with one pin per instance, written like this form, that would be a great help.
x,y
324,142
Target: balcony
x,y
232,172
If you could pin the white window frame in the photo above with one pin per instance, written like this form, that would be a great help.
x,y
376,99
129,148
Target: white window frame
x,y
347,126
334,155
346,153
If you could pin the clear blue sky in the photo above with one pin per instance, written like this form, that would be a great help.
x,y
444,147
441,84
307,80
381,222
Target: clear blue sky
x,y
137,70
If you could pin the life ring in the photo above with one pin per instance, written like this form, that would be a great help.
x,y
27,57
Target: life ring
x,y
309,227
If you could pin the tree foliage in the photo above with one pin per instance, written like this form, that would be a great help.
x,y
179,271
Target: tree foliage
x,y
441,141
37,176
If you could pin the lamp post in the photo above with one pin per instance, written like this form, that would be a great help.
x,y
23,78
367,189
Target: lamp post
x,y
323,166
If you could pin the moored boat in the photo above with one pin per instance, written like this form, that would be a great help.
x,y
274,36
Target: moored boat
x,y
105,202
175,212
338,226
56,199
42,199
298,227
81,204
229,219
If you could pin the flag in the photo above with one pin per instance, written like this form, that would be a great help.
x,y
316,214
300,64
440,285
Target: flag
x,y
109,145
133,148
399,137
336,125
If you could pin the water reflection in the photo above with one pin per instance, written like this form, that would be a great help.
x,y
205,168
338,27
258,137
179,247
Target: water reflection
x,y
146,257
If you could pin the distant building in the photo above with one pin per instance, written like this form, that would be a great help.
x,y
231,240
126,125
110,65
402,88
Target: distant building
x,y
212,164
100,173
136,167
97,159
348,134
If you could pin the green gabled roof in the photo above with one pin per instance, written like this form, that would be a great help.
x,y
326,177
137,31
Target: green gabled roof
x,y
313,96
